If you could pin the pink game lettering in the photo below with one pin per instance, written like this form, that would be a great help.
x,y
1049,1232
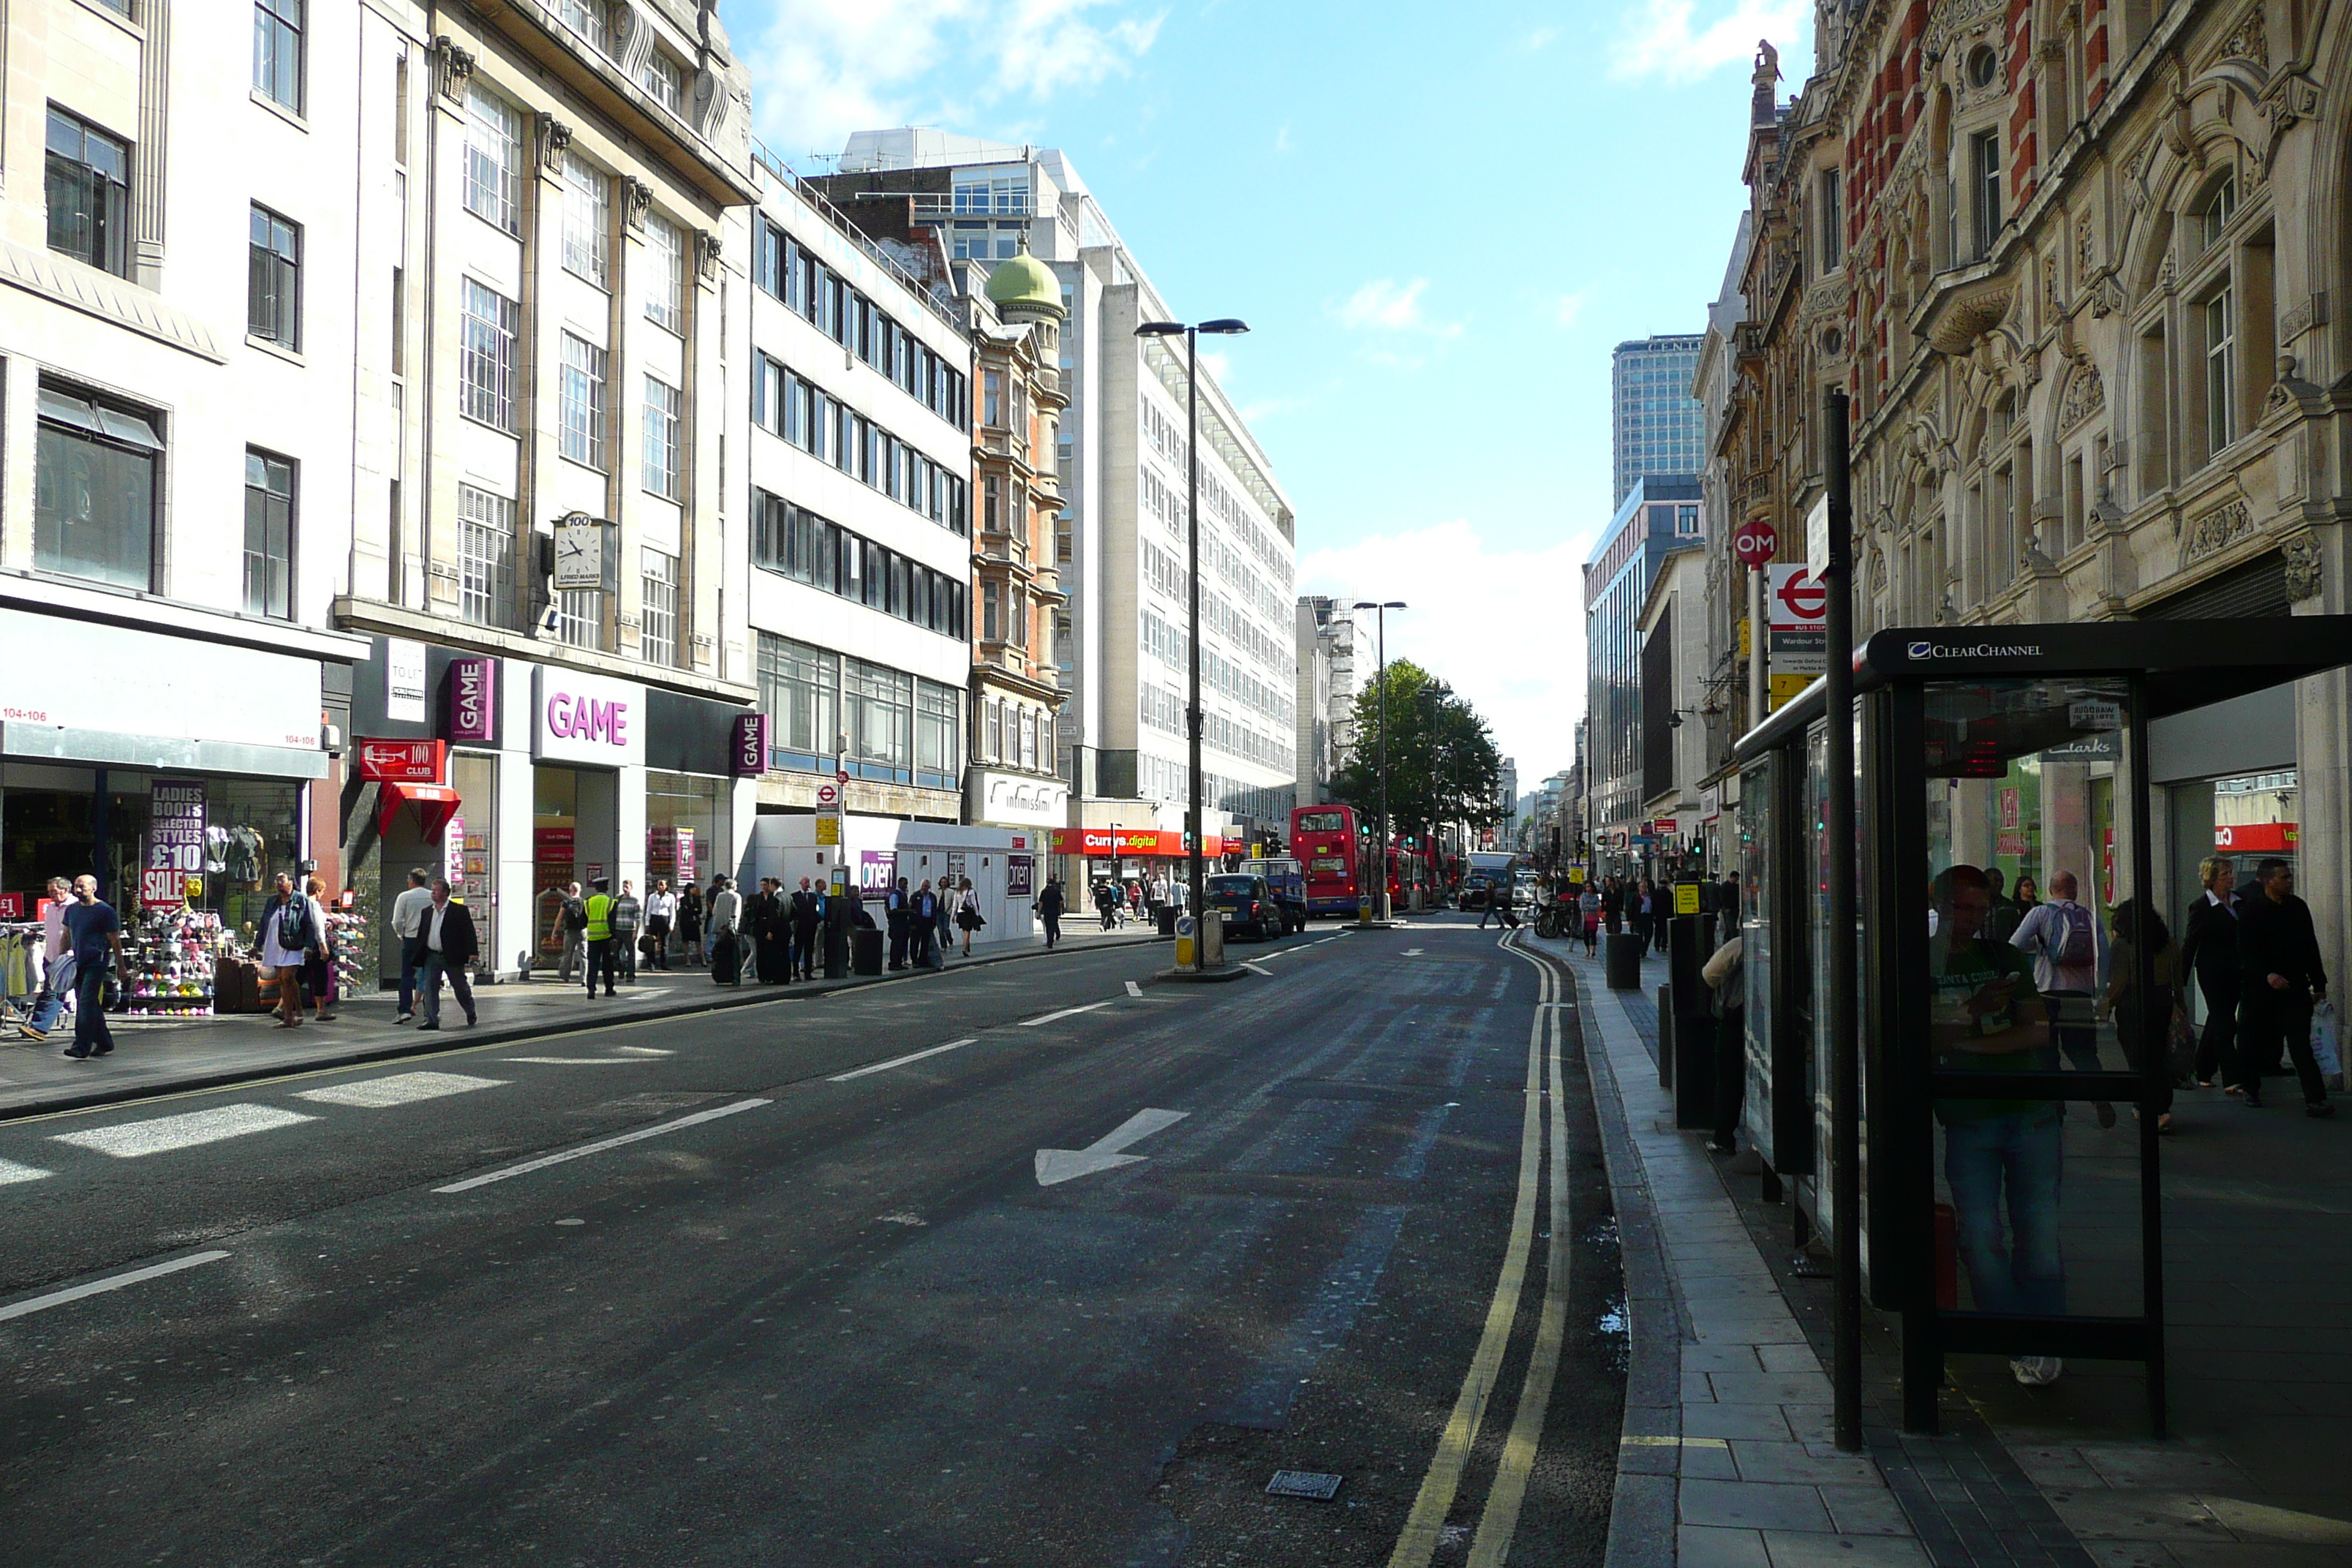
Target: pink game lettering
x,y
587,718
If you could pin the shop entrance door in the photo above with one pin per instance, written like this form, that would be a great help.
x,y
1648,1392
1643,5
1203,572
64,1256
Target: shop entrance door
x,y
575,837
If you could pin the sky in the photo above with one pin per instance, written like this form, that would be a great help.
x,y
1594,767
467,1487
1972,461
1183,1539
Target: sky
x,y
1438,222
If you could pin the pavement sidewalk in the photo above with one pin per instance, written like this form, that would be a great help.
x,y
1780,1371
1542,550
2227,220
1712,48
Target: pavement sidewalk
x,y
1727,1457
158,1055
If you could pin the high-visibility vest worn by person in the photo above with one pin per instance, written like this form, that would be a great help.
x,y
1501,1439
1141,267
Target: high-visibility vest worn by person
x,y
600,917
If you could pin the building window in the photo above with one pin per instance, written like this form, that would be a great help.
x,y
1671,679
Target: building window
x,y
991,612
587,221
493,156
585,18
1984,176
657,643
278,51
2220,378
580,617
2217,214
665,407
1832,221
273,280
800,690
94,490
486,365
89,189
1687,522
938,724
879,709
991,504
992,391
583,402
664,78
268,536
665,273
485,558
996,731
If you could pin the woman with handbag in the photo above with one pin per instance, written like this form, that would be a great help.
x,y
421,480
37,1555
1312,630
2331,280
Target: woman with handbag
x,y
968,917
290,932
2145,1025
319,969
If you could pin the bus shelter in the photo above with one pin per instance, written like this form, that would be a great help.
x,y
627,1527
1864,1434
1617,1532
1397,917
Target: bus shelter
x,y
2011,1180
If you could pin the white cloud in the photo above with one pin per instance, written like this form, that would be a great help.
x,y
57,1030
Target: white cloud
x,y
1385,305
825,67
1500,624
1567,308
1282,143
1658,40
1541,37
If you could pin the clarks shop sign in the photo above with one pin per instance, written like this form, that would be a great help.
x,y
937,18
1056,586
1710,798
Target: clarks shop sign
x,y
590,718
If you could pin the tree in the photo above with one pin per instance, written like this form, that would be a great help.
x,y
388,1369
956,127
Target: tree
x,y
1442,763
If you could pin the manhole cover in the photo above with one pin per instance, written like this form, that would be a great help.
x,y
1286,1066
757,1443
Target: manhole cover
x,y
1302,1483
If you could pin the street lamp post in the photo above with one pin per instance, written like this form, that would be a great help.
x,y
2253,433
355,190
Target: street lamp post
x,y
1221,327
1381,684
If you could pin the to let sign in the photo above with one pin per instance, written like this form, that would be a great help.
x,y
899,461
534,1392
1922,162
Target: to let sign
x,y
404,761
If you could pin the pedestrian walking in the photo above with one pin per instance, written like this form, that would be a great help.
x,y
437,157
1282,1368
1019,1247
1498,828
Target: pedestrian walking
x,y
968,917
2143,1023
94,933
894,912
571,921
408,919
2065,943
808,914
661,909
2208,950
923,926
1049,909
290,932
2003,1158
596,931
762,922
726,955
1107,905
449,944
1637,913
944,926
319,969
1726,985
627,914
689,923
2280,977
1587,906
56,964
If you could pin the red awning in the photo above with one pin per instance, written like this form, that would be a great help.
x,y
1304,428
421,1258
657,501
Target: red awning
x,y
436,805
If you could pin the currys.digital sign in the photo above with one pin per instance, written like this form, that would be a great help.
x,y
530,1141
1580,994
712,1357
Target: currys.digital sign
x,y
577,718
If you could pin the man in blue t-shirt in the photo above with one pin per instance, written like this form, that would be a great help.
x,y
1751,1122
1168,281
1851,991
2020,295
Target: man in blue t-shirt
x,y
96,932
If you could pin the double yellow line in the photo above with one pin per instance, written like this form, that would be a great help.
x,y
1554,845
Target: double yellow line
x,y
1499,1520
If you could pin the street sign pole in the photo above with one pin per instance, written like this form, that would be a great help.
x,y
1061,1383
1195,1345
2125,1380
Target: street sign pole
x,y
1836,575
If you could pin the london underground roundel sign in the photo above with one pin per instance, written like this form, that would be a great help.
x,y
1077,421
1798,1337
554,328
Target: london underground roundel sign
x,y
1755,543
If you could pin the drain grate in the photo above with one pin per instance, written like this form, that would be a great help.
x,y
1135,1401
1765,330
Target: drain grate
x,y
1302,1483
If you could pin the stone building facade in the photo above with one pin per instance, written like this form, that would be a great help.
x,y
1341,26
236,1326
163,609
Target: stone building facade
x,y
2080,267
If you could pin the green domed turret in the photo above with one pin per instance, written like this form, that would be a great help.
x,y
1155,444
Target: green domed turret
x,y
1025,282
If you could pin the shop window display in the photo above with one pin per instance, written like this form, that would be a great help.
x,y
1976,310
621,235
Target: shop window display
x,y
683,818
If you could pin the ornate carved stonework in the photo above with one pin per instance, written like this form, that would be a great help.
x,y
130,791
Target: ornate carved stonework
x,y
456,65
2246,40
2217,531
2306,571
705,250
2300,318
554,141
2135,175
640,200
2084,397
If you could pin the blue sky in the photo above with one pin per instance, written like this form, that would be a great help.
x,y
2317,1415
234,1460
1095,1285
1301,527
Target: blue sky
x,y
1438,220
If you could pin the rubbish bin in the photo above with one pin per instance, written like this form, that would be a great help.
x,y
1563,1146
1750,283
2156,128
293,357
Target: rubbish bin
x,y
1625,960
1167,920
865,951
836,954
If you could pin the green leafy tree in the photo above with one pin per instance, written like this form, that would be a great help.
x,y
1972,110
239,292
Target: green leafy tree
x,y
1442,763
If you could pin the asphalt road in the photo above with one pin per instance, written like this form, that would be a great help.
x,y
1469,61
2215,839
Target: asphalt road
x,y
749,1289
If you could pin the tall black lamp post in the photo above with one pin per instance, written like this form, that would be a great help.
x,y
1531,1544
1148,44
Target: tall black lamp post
x,y
1382,685
1191,336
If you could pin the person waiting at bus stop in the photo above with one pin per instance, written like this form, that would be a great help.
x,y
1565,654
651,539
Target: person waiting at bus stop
x,y
2001,1157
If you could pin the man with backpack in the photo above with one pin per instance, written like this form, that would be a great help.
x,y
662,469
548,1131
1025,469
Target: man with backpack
x,y
572,922
2065,942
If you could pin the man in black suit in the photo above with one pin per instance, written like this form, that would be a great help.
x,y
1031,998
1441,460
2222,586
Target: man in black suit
x,y
770,944
893,905
808,909
2280,975
2209,949
447,935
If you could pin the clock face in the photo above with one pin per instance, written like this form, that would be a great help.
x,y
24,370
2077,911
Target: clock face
x,y
579,556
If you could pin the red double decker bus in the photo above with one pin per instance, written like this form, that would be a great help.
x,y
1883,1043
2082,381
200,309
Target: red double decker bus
x,y
1331,848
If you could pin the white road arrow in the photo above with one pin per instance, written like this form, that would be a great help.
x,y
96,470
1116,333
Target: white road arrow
x,y
1057,1165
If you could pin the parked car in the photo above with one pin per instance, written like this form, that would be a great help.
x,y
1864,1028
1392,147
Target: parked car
x,y
1287,878
1248,904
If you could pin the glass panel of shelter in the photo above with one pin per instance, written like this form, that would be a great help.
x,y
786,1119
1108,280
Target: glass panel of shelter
x,y
2030,975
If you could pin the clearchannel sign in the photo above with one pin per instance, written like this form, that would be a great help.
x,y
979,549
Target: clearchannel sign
x,y
1974,650
589,719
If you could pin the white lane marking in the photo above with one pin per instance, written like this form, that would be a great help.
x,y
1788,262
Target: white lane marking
x,y
401,1088
579,1061
112,1282
544,1161
642,1051
1057,1165
1253,969
1065,1013
1133,989
134,1139
11,1171
1413,953
902,1061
